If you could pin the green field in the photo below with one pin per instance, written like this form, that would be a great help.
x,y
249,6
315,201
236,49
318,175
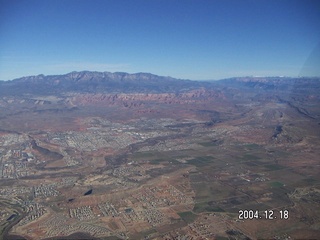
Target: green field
x,y
188,217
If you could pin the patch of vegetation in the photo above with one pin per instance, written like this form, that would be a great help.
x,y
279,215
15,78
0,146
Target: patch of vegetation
x,y
310,180
157,161
200,207
143,155
203,191
276,184
213,143
188,217
282,154
252,146
173,161
251,164
205,207
150,231
221,238
274,167
201,161
250,157
214,209
111,238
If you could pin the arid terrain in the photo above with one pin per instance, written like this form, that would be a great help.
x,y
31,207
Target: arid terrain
x,y
91,155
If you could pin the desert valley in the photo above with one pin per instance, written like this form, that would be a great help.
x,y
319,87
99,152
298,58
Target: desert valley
x,y
99,155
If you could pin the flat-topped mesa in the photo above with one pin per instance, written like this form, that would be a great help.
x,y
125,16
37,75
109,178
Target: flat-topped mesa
x,y
94,82
88,75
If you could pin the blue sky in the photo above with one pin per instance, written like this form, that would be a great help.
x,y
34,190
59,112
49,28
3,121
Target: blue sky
x,y
186,39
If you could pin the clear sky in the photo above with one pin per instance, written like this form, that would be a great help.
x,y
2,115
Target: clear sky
x,y
189,39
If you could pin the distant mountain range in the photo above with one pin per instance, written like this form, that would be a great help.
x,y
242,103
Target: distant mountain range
x,y
92,82
119,82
